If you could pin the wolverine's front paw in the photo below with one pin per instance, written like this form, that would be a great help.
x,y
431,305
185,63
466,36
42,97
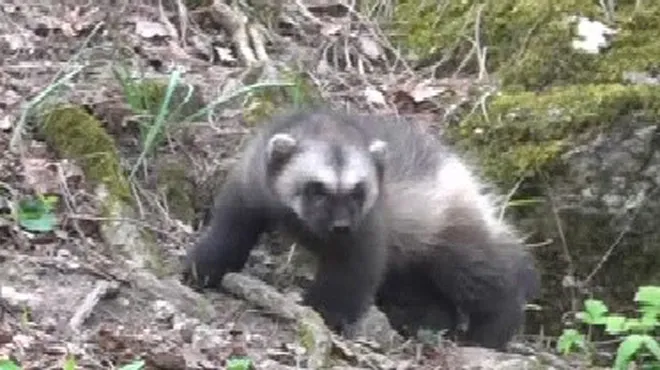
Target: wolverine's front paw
x,y
338,316
199,274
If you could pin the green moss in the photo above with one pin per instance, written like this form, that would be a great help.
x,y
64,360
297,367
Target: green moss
x,y
636,47
77,135
529,42
173,182
313,335
306,337
525,132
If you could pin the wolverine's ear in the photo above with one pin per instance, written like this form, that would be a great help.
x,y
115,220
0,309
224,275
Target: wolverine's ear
x,y
280,147
378,149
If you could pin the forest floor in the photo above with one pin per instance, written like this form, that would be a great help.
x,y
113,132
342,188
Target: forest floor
x,y
69,295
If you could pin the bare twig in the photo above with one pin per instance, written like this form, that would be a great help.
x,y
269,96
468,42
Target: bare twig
x,y
509,195
618,239
567,254
258,293
481,52
102,288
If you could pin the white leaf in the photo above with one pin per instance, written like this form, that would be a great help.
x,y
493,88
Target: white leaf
x,y
374,96
148,29
424,91
370,47
5,123
591,35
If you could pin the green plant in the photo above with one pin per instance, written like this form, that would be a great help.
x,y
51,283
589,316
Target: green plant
x,y
638,343
135,365
36,213
158,106
8,365
69,364
239,363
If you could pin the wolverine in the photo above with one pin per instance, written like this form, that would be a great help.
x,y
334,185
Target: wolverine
x,y
394,217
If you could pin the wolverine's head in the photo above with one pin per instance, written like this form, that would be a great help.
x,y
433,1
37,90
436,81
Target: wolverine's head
x,y
329,184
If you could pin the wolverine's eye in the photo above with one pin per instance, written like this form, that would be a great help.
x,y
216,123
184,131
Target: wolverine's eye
x,y
359,191
315,189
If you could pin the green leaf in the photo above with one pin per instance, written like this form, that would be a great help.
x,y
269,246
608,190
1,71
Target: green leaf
x,y
240,363
69,363
627,350
34,215
570,338
648,295
634,325
650,317
653,346
31,207
137,365
615,324
8,365
43,224
595,312
50,201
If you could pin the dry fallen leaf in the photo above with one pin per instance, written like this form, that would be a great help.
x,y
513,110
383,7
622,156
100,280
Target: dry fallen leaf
x,y
5,123
331,29
148,29
70,170
370,47
39,176
10,97
374,96
424,91
17,42
225,54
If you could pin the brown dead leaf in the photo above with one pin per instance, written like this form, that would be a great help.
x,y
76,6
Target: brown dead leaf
x,y
40,176
167,359
6,334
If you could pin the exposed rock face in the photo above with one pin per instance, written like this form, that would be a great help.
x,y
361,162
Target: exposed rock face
x,y
607,201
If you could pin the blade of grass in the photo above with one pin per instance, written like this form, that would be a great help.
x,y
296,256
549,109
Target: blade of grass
x,y
160,120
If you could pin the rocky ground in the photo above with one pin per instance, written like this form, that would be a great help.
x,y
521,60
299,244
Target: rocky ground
x,y
80,292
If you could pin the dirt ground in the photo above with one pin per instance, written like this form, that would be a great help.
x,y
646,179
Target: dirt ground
x,y
67,293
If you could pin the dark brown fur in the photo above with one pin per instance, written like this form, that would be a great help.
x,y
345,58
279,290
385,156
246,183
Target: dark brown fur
x,y
424,247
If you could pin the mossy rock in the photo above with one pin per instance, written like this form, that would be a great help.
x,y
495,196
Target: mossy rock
x,y
529,43
524,133
76,134
594,146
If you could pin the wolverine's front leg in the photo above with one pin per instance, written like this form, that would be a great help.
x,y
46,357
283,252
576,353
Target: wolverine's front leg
x,y
346,280
234,231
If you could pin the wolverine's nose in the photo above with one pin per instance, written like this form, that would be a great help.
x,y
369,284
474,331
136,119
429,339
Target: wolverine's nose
x,y
341,226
